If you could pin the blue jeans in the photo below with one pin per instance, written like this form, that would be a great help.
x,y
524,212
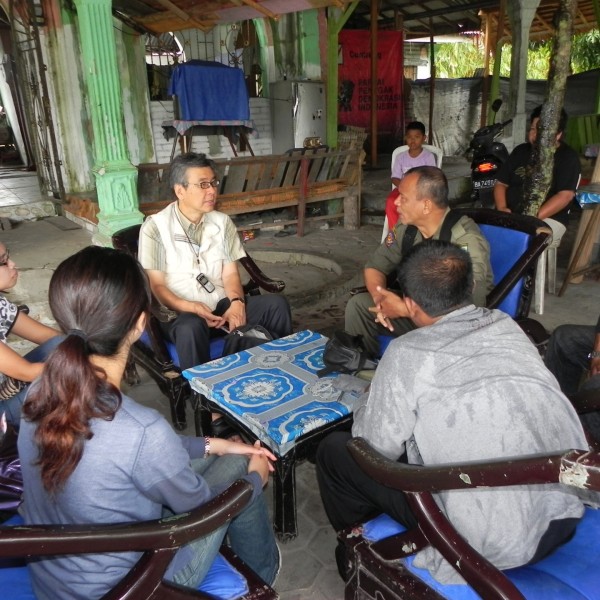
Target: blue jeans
x,y
12,406
250,534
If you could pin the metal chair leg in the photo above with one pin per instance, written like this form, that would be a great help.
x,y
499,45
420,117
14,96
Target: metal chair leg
x,y
540,284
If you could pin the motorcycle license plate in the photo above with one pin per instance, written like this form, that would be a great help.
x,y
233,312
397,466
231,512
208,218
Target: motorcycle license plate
x,y
484,183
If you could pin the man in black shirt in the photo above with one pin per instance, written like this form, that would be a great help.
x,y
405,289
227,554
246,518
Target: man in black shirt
x,y
508,191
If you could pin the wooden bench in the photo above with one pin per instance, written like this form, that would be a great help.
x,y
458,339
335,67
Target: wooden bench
x,y
295,179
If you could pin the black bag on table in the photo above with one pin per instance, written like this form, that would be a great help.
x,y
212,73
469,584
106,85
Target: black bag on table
x,y
244,338
344,354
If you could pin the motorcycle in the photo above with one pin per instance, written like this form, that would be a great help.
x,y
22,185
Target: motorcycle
x,y
488,156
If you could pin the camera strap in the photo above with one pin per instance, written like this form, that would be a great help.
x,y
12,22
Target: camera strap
x,y
187,237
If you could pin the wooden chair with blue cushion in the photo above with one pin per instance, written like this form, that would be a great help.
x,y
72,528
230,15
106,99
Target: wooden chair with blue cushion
x,y
516,243
158,356
382,552
228,578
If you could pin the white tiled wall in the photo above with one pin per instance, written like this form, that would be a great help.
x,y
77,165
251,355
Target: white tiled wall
x,y
214,146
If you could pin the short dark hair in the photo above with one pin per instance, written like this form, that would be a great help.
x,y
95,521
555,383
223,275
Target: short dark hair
x,y
416,125
437,275
562,122
432,183
191,160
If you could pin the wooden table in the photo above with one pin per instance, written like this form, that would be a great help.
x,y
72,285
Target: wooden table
x,y
184,131
273,394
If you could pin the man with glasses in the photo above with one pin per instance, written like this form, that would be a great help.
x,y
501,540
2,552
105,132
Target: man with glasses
x,y
190,252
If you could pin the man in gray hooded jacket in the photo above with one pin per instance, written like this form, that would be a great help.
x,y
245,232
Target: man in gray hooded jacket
x,y
466,385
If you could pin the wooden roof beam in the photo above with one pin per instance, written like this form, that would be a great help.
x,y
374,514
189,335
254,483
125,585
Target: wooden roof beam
x,y
175,9
256,6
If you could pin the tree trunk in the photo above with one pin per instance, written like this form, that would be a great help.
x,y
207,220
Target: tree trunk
x,y
538,178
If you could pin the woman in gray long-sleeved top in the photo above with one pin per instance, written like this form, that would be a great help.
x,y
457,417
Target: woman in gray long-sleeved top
x,y
92,455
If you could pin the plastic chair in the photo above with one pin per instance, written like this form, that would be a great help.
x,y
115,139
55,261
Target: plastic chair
x,y
547,265
382,551
158,356
159,540
391,215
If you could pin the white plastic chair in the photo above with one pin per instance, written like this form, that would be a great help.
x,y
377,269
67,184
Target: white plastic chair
x,y
439,155
546,271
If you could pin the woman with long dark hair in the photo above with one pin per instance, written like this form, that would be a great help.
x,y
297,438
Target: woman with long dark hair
x,y
92,455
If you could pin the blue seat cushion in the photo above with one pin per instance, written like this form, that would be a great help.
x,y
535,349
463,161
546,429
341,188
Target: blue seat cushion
x,y
216,347
570,573
506,247
222,581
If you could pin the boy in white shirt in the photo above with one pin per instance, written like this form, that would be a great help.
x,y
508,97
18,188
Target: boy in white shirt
x,y
416,156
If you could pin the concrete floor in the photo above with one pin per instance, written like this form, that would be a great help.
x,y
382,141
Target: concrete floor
x,y
319,269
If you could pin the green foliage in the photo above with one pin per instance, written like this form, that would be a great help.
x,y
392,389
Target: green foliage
x,y
585,52
453,61
462,60
538,60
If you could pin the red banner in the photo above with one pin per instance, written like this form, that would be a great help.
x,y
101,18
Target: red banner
x,y
354,93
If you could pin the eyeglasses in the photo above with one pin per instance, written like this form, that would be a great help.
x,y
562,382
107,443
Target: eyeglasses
x,y
4,259
204,185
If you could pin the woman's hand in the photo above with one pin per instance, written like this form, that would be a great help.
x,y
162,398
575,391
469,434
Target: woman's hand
x,y
220,446
260,464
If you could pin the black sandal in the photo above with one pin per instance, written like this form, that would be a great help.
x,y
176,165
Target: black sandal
x,y
222,428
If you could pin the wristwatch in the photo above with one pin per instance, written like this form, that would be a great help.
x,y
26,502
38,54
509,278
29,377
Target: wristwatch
x,y
237,299
594,354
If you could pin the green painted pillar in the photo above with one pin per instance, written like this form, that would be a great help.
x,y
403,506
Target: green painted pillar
x,y
308,41
336,19
116,177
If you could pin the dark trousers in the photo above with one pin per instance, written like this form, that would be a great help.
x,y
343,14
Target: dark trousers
x,y
191,334
567,354
348,494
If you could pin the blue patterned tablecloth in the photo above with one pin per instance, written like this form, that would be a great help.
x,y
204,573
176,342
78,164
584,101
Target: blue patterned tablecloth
x,y
274,389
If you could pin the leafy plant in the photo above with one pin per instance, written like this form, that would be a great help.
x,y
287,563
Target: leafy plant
x,y
453,61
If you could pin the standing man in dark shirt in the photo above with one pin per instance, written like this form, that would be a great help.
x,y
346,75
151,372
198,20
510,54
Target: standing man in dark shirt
x,y
508,191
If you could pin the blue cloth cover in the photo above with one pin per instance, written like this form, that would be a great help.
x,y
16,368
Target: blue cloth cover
x,y
569,573
222,580
210,91
273,389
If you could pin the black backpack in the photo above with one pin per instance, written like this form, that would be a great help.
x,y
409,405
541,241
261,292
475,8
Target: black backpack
x,y
344,354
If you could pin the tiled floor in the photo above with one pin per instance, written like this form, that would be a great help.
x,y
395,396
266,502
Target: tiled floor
x,y
20,196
